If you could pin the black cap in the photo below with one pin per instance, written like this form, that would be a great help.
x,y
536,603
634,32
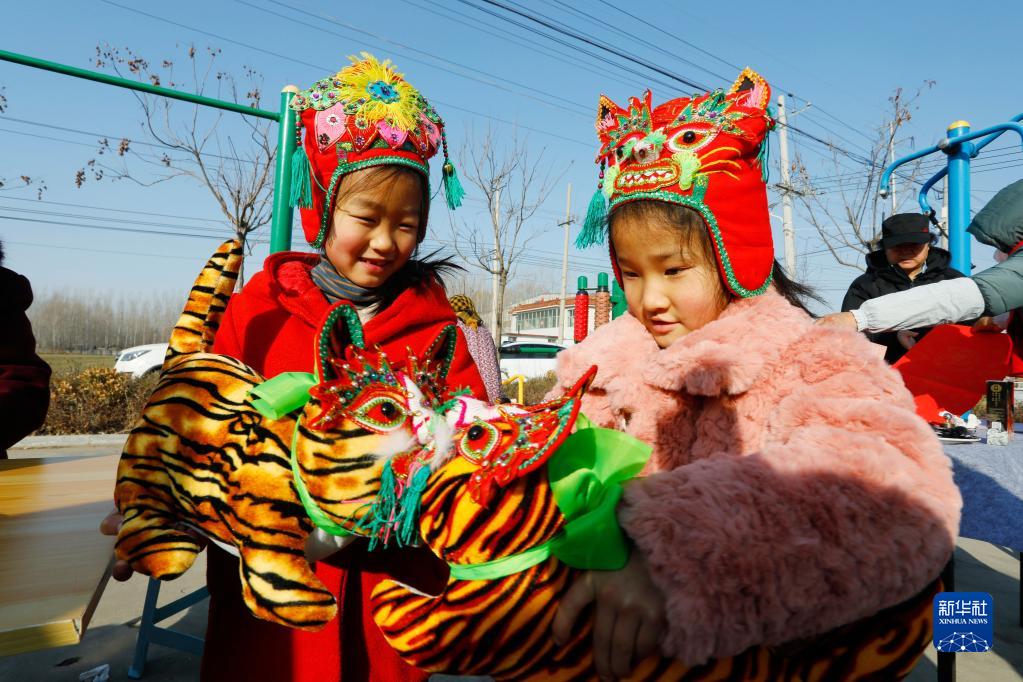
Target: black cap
x,y
905,228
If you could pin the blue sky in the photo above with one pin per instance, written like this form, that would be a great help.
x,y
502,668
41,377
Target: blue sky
x,y
846,58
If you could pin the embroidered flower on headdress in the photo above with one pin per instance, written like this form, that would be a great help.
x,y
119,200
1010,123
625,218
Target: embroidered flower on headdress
x,y
381,93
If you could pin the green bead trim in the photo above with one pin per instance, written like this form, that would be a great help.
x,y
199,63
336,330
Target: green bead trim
x,y
349,168
697,204
354,330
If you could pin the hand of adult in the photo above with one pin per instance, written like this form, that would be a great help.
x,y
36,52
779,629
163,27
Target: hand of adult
x,y
907,337
628,616
841,320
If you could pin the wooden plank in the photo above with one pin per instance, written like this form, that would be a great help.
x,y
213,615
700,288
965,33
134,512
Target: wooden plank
x,y
53,559
35,637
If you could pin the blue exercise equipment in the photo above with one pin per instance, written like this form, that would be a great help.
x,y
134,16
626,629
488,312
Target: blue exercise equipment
x,y
959,147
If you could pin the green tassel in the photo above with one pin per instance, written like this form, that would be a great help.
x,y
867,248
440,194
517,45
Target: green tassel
x,y
301,189
453,190
407,520
763,156
382,510
594,227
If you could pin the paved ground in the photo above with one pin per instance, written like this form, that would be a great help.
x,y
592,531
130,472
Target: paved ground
x,y
111,637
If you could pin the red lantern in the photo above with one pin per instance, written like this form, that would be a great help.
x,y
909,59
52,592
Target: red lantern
x,y
581,313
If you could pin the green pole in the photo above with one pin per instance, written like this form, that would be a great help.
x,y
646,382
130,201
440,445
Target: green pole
x,y
25,60
280,227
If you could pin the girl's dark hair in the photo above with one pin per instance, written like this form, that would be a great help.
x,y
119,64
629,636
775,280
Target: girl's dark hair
x,y
418,271
694,238
360,180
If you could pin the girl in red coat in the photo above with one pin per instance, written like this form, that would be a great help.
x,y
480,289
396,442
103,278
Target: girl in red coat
x,y
362,181
365,201
792,489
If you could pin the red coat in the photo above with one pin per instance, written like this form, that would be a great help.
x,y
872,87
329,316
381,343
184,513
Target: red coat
x,y
271,326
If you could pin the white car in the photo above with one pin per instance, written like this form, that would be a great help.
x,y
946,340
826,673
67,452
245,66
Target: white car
x,y
528,359
141,360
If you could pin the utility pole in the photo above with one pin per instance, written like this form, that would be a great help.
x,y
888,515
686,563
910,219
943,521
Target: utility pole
x,y
891,159
495,266
786,200
564,268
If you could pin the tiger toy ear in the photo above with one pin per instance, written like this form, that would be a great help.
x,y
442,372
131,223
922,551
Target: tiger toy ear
x,y
341,328
518,441
751,90
441,352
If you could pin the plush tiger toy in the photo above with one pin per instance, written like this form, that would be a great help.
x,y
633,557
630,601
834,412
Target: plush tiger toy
x,y
491,521
204,456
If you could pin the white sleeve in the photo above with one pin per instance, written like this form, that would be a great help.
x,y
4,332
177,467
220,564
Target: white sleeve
x,y
952,300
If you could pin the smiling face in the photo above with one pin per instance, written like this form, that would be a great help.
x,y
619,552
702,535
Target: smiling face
x,y
668,271
376,225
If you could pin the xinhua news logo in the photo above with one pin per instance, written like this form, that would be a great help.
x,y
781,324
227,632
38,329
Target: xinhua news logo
x,y
964,622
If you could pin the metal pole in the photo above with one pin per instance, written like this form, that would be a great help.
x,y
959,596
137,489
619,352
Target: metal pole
x,y
564,268
280,227
959,198
786,200
943,242
494,267
891,159
135,85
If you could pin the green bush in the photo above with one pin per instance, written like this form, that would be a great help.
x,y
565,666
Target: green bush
x,y
96,400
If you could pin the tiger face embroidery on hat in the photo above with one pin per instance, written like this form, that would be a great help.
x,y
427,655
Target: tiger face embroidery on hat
x,y
707,152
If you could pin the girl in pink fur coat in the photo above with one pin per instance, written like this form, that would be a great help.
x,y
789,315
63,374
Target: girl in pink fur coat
x,y
792,489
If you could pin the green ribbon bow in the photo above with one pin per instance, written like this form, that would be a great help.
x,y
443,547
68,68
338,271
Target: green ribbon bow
x,y
282,395
276,398
586,476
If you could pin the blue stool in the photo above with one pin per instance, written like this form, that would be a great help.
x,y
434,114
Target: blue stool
x,y
149,633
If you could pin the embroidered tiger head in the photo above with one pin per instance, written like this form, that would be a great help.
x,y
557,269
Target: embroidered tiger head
x,y
494,472
365,410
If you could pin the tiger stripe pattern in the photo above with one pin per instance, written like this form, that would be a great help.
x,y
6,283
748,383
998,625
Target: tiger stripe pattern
x,y
202,457
501,627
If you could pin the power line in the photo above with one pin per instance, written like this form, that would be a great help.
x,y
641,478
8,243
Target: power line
x,y
321,68
593,43
576,108
480,25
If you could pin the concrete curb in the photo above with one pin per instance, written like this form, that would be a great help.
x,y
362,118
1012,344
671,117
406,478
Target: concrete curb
x,y
78,440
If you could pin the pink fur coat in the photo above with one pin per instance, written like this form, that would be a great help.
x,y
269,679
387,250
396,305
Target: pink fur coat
x,y
792,488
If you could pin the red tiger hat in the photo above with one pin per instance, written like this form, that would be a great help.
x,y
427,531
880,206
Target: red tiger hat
x,y
365,115
707,152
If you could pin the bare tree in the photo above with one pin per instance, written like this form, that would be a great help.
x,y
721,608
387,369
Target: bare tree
x,y
845,208
234,162
23,180
514,185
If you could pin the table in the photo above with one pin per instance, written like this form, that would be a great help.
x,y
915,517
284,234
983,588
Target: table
x,y
53,561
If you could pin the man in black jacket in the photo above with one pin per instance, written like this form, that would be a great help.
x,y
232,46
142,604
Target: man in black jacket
x,y
905,260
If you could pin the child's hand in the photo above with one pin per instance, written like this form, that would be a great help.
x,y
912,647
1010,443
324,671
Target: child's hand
x,y
628,616
109,526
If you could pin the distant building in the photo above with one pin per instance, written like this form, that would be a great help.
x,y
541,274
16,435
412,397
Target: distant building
x,y
536,319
